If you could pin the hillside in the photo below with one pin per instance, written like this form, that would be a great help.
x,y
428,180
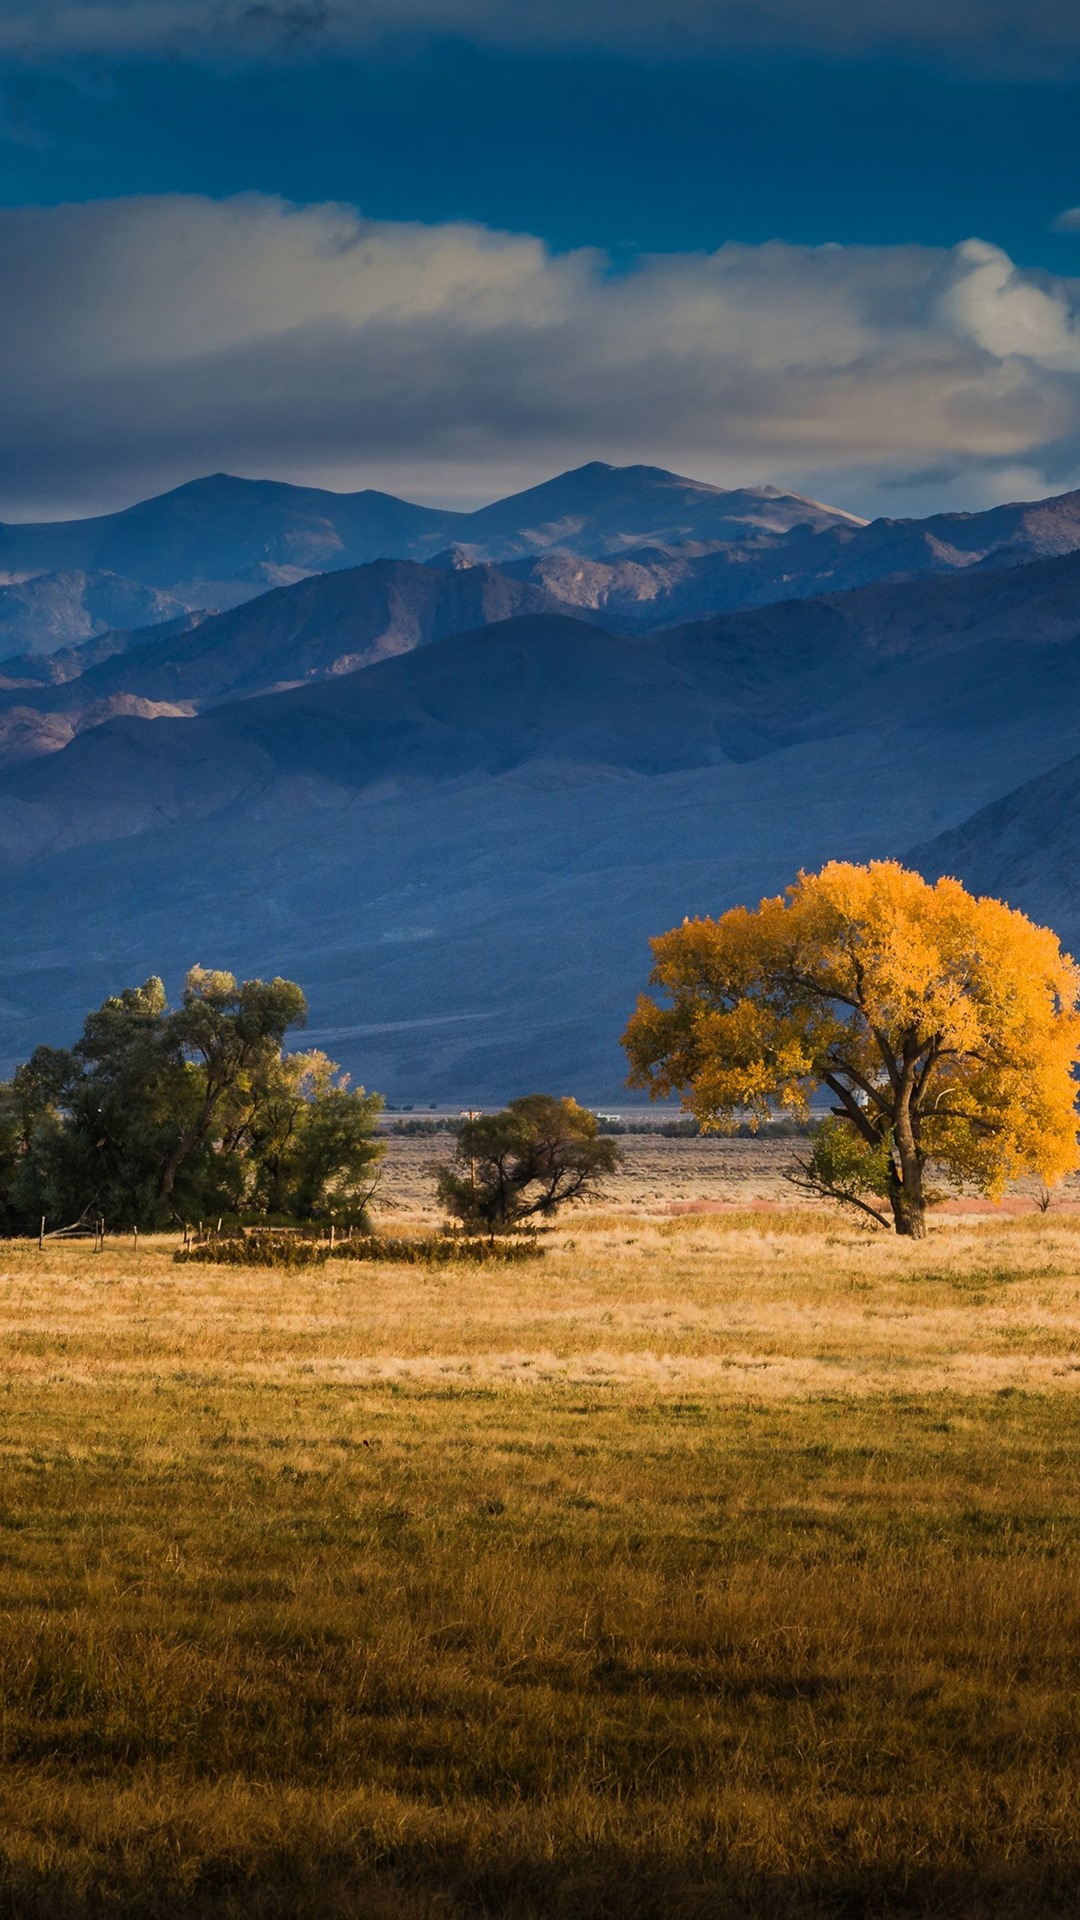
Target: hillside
x,y
326,626
223,538
220,534
55,610
463,849
652,586
337,623
329,625
978,653
600,510
541,687
1025,845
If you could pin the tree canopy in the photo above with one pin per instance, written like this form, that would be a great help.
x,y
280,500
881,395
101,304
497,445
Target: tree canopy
x,y
158,1114
525,1162
945,1027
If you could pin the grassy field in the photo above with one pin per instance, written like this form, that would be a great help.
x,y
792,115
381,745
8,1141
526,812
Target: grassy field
x,y
714,1566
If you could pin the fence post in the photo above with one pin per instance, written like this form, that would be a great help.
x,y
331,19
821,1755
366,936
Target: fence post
x,y
136,1230
41,1236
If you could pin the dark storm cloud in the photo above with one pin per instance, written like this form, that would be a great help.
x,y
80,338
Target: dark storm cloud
x,y
1003,36
149,339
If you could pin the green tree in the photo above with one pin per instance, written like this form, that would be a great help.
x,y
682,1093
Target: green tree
x,y
100,1119
157,1114
231,1030
525,1162
308,1138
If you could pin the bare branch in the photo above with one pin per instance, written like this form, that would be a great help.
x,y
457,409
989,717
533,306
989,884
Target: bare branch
x,y
805,1182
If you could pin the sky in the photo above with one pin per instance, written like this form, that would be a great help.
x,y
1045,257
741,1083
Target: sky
x,y
450,247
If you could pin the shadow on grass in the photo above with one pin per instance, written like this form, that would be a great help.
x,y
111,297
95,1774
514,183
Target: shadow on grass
x,y
449,1883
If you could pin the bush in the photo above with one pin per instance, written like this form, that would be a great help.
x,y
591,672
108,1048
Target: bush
x,y
537,1155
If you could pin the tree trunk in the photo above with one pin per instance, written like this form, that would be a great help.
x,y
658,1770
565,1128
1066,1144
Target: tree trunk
x,y
187,1143
906,1194
908,1210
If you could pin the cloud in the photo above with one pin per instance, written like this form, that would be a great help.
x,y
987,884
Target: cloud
x,y
147,340
1008,37
1068,221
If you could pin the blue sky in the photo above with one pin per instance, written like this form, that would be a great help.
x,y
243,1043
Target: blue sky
x,y
519,189
581,150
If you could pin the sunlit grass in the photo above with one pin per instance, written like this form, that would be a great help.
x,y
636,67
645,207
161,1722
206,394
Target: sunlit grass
x,y
715,1565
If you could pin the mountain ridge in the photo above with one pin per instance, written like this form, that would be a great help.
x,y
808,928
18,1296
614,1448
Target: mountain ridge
x,y
637,545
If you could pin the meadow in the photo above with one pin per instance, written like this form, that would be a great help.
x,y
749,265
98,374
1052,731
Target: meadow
x,y
716,1564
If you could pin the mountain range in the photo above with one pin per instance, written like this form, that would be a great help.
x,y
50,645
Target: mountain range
x,y
332,625
216,542
456,809
637,545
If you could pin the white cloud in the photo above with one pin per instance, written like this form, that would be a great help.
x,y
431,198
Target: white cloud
x,y
148,340
1068,221
1007,36
1003,310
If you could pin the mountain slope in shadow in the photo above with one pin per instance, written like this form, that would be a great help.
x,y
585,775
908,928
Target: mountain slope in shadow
x,y
221,535
1024,846
462,850
338,623
971,655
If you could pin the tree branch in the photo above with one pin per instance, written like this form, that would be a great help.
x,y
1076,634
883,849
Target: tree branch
x,y
852,1109
888,1059
805,983
808,1184
865,1085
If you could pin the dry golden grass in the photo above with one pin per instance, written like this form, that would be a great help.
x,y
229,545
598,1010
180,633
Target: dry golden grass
x,y
707,1567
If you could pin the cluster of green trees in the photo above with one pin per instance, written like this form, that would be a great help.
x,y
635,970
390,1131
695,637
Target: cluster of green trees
x,y
160,1115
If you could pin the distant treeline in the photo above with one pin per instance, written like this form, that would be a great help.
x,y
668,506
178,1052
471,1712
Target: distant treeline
x,y
684,1128
687,1128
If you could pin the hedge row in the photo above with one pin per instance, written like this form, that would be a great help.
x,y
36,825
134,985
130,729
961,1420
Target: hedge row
x,y
288,1250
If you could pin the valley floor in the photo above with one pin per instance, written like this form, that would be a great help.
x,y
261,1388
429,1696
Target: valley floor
x,y
714,1565
661,1176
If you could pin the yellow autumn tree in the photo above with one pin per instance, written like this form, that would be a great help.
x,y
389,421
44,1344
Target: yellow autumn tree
x,y
945,1027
